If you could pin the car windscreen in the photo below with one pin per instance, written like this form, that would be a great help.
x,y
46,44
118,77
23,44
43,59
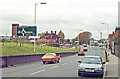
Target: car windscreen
x,y
48,55
91,60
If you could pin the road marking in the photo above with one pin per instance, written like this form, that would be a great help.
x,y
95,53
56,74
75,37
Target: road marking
x,y
64,63
36,72
53,67
71,61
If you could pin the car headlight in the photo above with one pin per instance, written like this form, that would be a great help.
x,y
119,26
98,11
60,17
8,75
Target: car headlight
x,y
100,68
81,68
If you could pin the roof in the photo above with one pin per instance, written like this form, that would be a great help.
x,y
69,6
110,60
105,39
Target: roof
x,y
54,36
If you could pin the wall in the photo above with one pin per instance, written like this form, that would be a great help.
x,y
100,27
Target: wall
x,y
117,50
25,59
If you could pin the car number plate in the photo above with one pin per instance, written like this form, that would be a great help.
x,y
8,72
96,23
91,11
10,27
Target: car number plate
x,y
87,70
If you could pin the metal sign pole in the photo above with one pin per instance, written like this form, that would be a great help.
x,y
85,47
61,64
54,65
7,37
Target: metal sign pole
x,y
34,44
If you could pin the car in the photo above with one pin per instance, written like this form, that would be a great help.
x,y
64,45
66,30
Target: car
x,y
91,66
100,45
81,53
50,57
85,48
84,45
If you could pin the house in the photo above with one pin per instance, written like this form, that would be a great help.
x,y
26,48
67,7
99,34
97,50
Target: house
x,y
49,38
114,34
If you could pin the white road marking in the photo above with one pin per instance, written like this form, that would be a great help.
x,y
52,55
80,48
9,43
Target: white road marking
x,y
36,72
71,61
64,63
53,67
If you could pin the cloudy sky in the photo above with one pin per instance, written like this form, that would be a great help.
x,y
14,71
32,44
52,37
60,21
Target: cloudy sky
x,y
70,16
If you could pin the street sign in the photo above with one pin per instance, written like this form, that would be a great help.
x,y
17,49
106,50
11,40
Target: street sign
x,y
26,30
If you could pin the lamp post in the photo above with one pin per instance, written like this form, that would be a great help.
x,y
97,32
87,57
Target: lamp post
x,y
100,35
35,19
35,11
107,48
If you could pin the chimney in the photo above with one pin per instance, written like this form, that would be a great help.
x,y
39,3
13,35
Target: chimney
x,y
46,32
55,32
51,32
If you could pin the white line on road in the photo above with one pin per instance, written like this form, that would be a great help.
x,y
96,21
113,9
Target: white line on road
x,y
71,61
36,72
53,67
64,63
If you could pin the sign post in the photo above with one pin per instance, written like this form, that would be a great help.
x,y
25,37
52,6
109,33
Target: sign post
x,y
27,31
34,41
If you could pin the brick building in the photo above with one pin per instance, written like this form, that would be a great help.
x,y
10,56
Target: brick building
x,y
49,38
14,30
114,34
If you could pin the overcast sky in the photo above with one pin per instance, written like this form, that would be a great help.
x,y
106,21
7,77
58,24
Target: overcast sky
x,y
70,16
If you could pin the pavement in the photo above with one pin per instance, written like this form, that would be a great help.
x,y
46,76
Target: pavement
x,y
112,66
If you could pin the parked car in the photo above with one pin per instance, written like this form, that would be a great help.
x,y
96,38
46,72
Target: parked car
x,y
100,45
91,66
50,57
81,53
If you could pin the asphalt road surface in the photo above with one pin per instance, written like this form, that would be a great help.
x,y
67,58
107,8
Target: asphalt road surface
x,y
67,67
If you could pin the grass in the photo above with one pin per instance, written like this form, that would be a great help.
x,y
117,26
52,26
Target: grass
x,y
11,49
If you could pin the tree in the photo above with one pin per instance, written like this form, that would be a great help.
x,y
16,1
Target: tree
x,y
68,41
41,34
61,35
116,39
84,37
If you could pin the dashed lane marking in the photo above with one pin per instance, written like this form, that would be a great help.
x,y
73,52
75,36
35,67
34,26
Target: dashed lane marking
x,y
53,67
64,63
36,72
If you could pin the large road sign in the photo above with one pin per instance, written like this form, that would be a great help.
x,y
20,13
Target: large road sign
x,y
26,30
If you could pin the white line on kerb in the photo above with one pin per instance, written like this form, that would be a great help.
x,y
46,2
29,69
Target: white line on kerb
x,y
36,72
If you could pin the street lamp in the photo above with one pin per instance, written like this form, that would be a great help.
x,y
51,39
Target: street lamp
x,y
107,49
100,35
107,28
35,11
35,19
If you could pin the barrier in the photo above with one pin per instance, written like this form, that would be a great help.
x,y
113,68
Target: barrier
x,y
25,59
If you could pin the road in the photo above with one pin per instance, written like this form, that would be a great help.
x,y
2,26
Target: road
x,y
66,68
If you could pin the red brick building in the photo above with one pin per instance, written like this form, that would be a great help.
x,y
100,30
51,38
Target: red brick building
x,y
114,34
49,38
14,30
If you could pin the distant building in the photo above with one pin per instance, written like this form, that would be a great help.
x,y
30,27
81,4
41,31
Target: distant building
x,y
14,30
116,33
49,38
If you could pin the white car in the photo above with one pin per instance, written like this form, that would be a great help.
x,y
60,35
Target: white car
x,y
85,48
91,66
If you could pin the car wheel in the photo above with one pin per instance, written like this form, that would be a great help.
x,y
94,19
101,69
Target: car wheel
x,y
58,61
101,76
43,62
54,61
79,74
